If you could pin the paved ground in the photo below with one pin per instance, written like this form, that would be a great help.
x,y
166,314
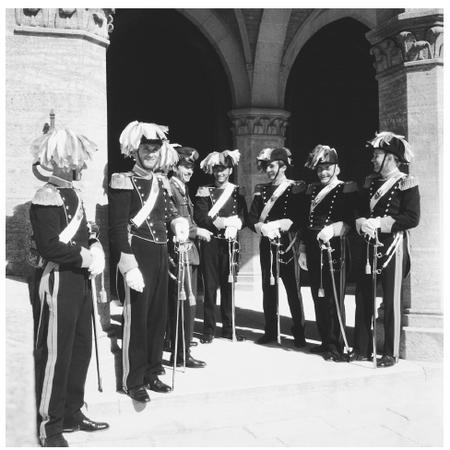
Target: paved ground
x,y
252,395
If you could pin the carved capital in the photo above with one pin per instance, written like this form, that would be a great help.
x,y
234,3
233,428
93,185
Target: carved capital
x,y
259,121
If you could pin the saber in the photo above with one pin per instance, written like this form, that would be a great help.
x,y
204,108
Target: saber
x,y
335,296
94,327
276,243
374,291
231,255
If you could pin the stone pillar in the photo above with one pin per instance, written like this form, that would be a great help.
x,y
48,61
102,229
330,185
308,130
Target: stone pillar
x,y
408,51
55,59
253,130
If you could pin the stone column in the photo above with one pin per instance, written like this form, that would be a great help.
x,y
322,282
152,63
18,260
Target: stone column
x,y
253,130
408,51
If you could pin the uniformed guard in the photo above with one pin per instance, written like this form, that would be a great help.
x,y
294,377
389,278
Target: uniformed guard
x,y
275,214
330,209
68,257
140,209
179,180
221,209
389,207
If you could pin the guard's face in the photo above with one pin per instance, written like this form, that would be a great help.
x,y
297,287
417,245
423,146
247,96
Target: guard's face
x,y
273,169
149,155
377,159
184,173
327,172
222,173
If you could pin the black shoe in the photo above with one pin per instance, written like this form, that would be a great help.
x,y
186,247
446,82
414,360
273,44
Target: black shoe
x,y
322,348
193,344
190,362
206,339
229,335
299,342
386,361
57,440
265,339
355,356
334,355
160,371
158,386
138,394
84,425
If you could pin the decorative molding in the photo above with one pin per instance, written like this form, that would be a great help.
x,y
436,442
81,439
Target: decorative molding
x,y
259,121
96,21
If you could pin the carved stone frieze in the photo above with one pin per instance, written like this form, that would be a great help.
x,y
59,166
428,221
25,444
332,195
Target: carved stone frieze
x,y
259,122
93,20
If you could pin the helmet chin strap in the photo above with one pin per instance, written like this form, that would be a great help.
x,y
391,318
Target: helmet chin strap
x,y
378,172
332,176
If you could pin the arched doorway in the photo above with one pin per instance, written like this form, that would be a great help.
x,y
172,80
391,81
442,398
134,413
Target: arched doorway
x,y
160,68
332,95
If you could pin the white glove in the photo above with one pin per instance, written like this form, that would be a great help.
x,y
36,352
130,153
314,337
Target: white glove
x,y
181,231
135,280
98,260
203,234
370,226
326,233
219,223
302,261
270,230
284,224
233,221
230,233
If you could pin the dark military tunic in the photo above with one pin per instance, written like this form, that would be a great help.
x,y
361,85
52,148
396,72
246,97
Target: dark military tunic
x,y
290,205
145,247
64,335
399,209
214,259
337,206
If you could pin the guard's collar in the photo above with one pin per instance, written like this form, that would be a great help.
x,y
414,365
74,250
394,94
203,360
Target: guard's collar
x,y
140,172
179,183
60,182
392,173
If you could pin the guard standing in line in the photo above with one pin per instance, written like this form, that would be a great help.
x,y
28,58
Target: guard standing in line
x,y
140,209
275,213
389,207
330,213
179,180
220,209
68,257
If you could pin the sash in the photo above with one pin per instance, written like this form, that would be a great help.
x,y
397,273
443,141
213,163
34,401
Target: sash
x,y
277,193
226,194
148,205
323,193
384,188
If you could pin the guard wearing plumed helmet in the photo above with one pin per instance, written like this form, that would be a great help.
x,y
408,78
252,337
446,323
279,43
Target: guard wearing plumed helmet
x,y
389,208
221,209
275,215
69,254
140,211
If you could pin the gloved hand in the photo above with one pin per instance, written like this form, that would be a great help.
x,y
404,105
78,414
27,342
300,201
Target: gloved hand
x,y
370,226
326,233
98,259
302,260
233,221
219,223
181,230
230,232
204,234
135,280
284,224
270,230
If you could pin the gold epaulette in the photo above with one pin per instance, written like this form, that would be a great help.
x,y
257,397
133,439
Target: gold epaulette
x,y
407,182
350,186
311,187
203,191
298,186
121,181
47,195
165,183
369,179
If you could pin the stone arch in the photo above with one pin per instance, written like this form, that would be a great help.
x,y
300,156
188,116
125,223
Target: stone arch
x,y
317,20
228,49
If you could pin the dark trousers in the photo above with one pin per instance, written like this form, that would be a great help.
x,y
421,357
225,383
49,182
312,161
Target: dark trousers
x,y
62,350
325,307
145,315
214,265
287,274
188,309
390,280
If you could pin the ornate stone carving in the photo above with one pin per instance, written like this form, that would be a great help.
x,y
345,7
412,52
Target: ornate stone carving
x,y
254,123
413,49
93,20
387,54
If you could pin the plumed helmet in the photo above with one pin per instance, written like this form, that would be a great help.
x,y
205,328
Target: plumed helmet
x,y
187,155
62,148
136,132
393,143
321,154
227,158
268,155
